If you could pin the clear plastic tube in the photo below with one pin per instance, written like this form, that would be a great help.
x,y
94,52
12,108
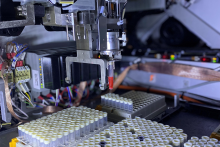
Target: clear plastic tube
x,y
96,123
114,103
53,141
20,132
92,125
87,128
101,120
103,102
105,118
117,103
77,132
66,137
82,129
107,101
126,106
176,142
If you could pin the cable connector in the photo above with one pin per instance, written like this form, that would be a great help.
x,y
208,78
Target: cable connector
x,y
120,22
43,100
19,87
21,57
25,87
21,97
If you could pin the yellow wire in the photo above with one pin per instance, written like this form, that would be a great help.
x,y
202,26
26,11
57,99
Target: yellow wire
x,y
28,96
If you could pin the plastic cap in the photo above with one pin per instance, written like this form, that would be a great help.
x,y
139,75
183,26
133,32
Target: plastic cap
x,y
66,133
46,141
76,127
96,118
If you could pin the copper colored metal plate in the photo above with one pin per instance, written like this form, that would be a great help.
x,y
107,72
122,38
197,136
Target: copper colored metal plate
x,y
181,70
51,109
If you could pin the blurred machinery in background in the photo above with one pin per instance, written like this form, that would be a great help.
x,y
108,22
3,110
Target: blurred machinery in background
x,y
172,24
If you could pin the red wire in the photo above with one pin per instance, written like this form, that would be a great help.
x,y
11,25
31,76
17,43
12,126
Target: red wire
x,y
87,96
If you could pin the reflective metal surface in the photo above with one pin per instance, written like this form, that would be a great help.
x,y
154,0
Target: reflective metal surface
x,y
51,109
30,19
187,71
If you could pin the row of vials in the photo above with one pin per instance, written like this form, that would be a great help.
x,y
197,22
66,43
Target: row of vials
x,y
115,101
62,128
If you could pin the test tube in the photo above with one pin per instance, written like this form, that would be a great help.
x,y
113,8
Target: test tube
x,y
53,141
108,101
72,135
121,103
82,129
46,142
103,100
96,123
77,132
101,120
66,137
20,131
126,105
117,103
41,141
187,144
110,74
87,128
176,142
105,118
92,125
130,106
34,139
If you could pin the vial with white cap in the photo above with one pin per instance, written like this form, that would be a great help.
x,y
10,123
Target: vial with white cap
x,y
176,142
105,118
211,143
82,129
66,137
188,144
206,138
47,142
41,141
126,105
96,123
60,138
214,140
77,132
130,104
117,103
20,131
34,142
87,127
101,120
113,103
54,141
103,100
92,125
38,139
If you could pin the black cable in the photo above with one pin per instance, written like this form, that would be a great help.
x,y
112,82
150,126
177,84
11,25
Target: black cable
x,y
122,26
61,5
102,3
123,9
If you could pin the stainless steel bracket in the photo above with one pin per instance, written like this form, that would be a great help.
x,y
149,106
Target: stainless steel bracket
x,y
84,56
30,19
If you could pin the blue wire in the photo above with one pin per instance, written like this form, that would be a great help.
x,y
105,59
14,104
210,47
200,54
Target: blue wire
x,y
69,94
20,53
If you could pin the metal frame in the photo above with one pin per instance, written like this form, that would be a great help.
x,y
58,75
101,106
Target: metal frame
x,y
199,27
86,57
30,19
6,115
